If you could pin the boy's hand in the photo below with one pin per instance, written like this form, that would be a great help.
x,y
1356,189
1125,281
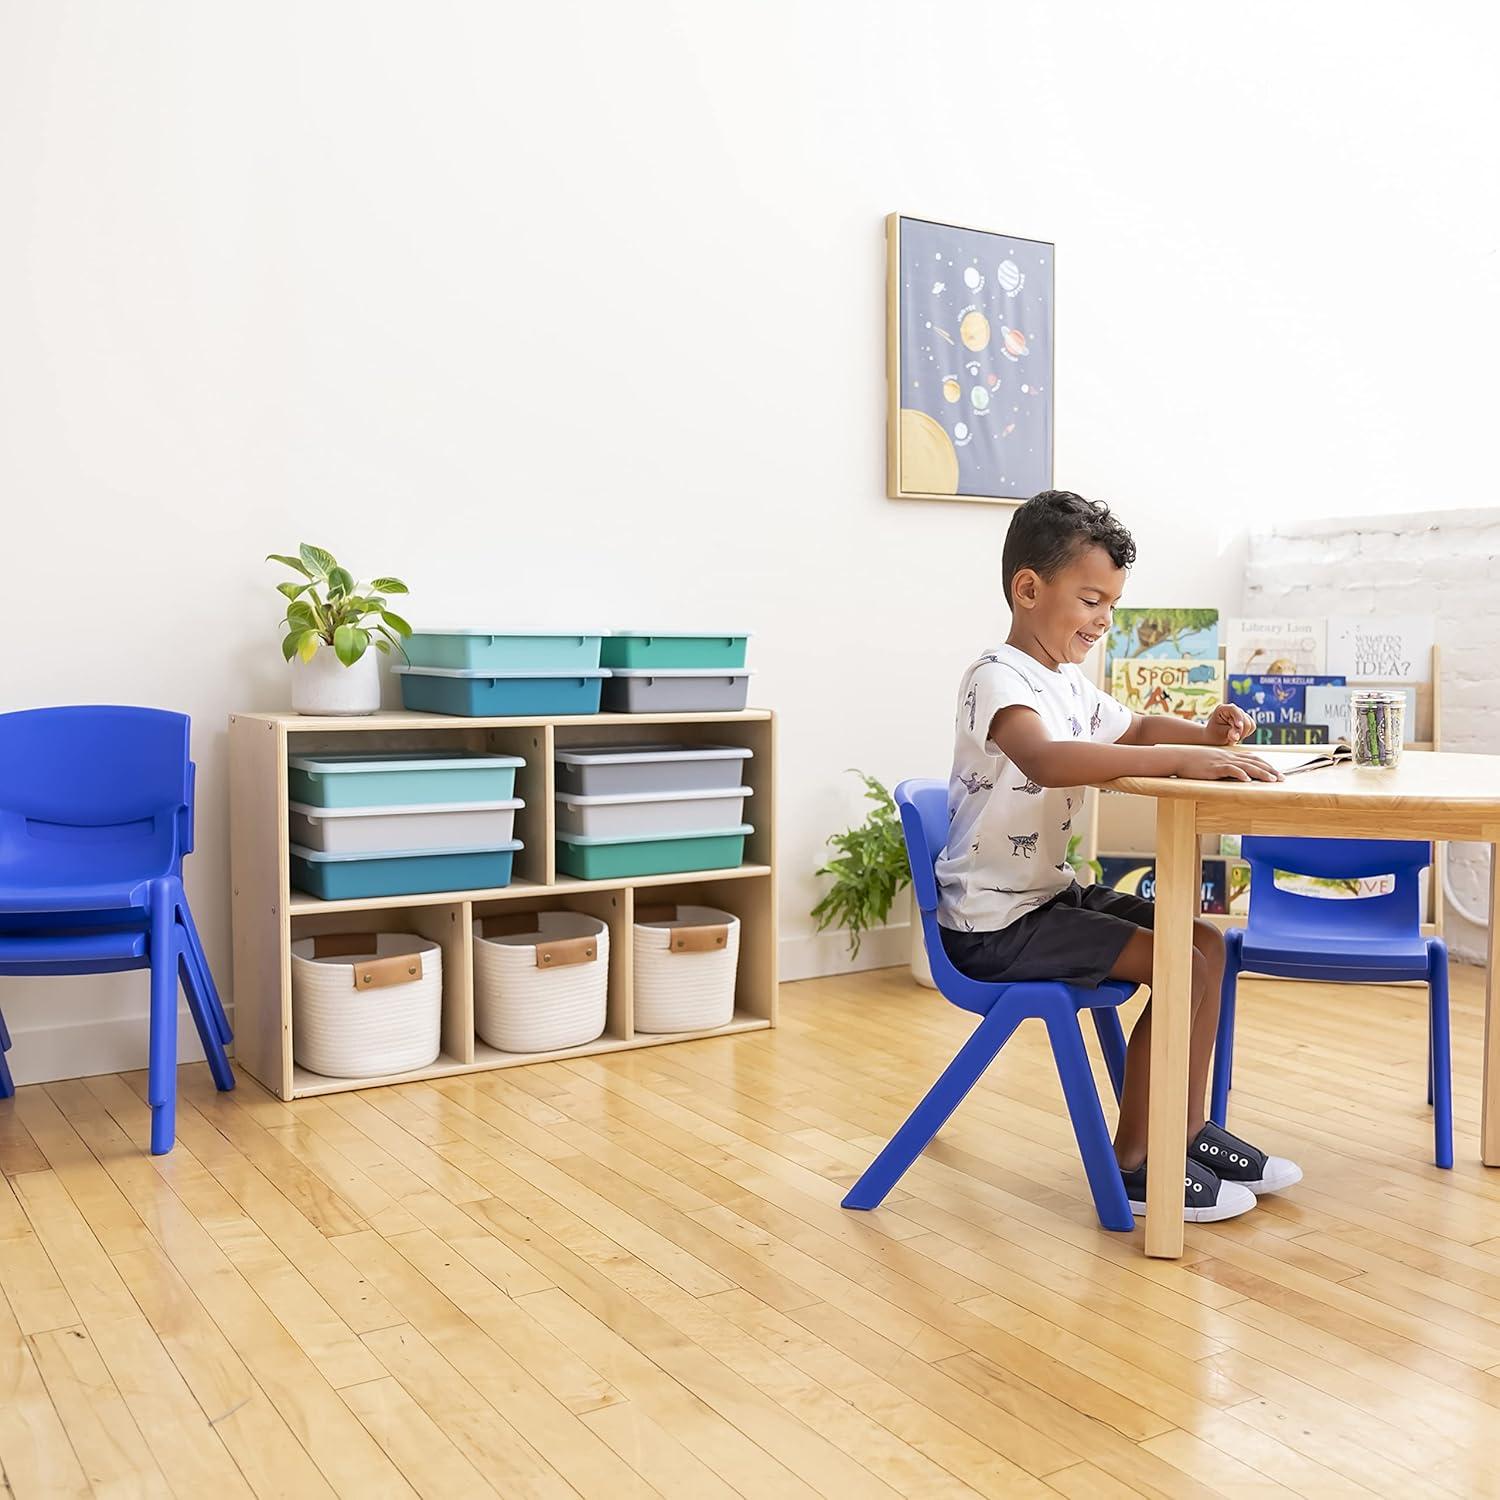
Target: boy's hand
x,y
1209,763
1228,724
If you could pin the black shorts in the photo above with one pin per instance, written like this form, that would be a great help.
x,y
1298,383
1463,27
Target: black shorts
x,y
1074,938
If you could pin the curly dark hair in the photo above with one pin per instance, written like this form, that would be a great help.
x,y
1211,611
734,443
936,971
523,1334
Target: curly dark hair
x,y
1052,528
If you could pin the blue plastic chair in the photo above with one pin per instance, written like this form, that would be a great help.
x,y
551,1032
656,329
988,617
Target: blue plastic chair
x,y
923,806
96,814
1367,940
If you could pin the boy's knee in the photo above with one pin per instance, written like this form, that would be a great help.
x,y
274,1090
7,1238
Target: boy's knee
x,y
1208,939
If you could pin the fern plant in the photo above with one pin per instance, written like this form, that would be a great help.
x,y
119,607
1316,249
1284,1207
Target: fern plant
x,y
869,870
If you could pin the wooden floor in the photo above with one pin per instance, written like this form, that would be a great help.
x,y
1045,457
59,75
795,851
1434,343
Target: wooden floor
x,y
630,1275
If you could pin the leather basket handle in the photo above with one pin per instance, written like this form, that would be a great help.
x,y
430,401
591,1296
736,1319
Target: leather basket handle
x,y
508,924
379,973
697,939
660,911
342,944
561,953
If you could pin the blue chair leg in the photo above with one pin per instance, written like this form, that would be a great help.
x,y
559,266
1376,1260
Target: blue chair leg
x,y
1110,1200
203,1018
161,1083
7,1084
1441,1047
1223,1077
932,1113
209,990
1112,1044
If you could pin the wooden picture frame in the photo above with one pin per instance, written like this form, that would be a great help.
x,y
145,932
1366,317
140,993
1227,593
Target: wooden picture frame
x,y
952,392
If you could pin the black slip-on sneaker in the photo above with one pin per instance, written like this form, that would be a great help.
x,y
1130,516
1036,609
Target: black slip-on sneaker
x,y
1234,1160
1206,1198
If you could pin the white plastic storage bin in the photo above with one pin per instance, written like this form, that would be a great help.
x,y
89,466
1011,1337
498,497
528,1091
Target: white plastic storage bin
x,y
366,1004
686,959
626,770
651,814
541,980
666,690
363,830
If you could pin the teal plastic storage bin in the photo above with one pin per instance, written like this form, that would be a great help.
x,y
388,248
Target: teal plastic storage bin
x,y
345,877
587,858
515,695
504,651
400,778
633,648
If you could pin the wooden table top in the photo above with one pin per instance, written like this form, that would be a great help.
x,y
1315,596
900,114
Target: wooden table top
x,y
1425,780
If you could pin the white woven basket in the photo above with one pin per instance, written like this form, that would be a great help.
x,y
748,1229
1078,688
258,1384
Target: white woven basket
x,y
366,1003
541,980
686,958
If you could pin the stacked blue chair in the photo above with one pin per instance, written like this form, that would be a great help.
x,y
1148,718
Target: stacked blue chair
x,y
924,821
1367,940
96,814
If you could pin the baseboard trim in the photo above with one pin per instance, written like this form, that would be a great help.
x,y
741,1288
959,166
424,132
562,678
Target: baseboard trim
x,y
828,953
82,1049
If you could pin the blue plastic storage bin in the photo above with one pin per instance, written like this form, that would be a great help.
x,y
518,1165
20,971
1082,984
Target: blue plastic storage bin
x,y
504,651
520,695
400,778
345,877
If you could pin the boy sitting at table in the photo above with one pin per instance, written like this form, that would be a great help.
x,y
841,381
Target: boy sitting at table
x,y
1032,732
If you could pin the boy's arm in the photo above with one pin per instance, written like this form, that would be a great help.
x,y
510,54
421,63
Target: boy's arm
x,y
1020,733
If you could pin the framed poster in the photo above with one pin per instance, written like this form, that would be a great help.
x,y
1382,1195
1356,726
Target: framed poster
x,y
968,363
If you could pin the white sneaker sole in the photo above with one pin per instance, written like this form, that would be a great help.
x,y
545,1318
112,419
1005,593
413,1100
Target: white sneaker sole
x,y
1234,1199
1280,1174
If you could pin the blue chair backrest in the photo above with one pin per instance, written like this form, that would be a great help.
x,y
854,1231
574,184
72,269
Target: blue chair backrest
x,y
1336,859
923,806
86,774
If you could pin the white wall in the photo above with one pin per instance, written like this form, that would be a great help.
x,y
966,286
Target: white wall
x,y
577,308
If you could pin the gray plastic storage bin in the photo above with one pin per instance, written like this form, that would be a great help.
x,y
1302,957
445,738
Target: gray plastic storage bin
x,y
654,814
366,830
684,691
625,770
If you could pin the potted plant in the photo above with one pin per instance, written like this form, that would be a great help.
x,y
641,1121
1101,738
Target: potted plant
x,y
329,608
869,871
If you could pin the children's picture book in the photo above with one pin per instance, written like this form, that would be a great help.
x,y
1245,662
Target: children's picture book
x,y
1381,648
1186,689
1137,877
1155,634
1276,700
1290,762
1239,888
1266,647
1289,734
1330,706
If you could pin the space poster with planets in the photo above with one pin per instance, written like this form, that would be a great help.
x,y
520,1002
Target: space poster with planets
x,y
970,350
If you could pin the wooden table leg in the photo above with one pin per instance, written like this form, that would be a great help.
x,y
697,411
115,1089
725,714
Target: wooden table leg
x,y
1171,1021
1489,1130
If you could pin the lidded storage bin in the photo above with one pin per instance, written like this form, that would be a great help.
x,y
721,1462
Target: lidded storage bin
x,y
510,650
366,1003
400,778
674,648
541,980
686,961
623,770
674,690
500,695
651,814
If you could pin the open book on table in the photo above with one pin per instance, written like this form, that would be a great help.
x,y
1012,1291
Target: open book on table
x,y
1303,758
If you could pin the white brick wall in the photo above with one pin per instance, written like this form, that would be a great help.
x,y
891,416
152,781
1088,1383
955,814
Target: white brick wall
x,y
1441,563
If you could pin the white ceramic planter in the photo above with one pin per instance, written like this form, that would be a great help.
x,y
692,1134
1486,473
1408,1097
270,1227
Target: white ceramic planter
x,y
325,685
921,971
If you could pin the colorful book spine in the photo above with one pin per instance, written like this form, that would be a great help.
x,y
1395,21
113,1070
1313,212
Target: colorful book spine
x,y
1276,700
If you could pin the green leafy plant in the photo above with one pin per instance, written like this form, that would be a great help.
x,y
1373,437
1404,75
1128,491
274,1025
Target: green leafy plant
x,y
868,872
330,608
1081,866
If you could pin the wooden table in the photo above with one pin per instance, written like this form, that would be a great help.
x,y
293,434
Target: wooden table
x,y
1429,796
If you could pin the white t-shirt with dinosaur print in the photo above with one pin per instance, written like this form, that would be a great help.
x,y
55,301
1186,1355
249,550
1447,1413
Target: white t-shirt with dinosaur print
x,y
1008,837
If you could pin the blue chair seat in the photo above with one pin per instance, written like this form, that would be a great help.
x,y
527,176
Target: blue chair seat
x,y
1002,1008
96,815
1374,939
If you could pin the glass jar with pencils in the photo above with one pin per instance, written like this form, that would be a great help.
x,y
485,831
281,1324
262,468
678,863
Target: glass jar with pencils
x,y
1377,727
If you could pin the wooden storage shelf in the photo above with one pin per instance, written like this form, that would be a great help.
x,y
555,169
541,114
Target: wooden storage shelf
x,y
268,914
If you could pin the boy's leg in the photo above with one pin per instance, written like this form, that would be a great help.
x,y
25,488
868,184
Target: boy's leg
x,y
1134,963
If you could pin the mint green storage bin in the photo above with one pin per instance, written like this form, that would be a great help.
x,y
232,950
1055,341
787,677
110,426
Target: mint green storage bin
x,y
634,648
587,858
400,872
503,650
400,778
